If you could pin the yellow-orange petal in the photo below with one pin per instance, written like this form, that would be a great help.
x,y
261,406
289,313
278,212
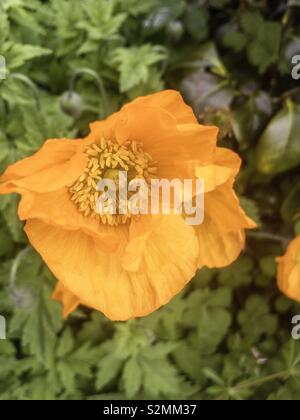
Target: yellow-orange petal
x,y
139,231
56,209
223,208
169,257
168,105
289,271
223,167
178,155
213,176
57,164
228,159
100,281
218,249
171,101
222,234
69,300
160,135
53,151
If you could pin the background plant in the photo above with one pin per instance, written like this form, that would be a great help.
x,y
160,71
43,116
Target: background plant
x,y
227,336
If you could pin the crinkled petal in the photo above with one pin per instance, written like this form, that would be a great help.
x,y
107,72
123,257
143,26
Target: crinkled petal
x,y
56,209
228,159
225,167
213,176
222,234
222,206
57,164
171,101
218,249
166,141
139,232
99,279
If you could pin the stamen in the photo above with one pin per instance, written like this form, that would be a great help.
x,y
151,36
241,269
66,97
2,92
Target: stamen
x,y
105,160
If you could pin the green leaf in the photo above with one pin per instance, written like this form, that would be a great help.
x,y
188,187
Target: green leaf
x,y
207,312
21,14
167,321
211,330
134,64
215,339
161,378
132,376
256,320
238,274
205,300
39,323
235,40
279,147
109,367
249,117
101,24
136,7
161,16
6,242
4,151
268,266
196,21
265,39
290,391
154,84
39,388
160,350
210,56
95,329
4,25
251,22
130,338
19,54
11,217
71,362
192,362
65,344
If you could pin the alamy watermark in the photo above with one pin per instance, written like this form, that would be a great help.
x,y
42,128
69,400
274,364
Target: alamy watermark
x,y
2,328
2,68
296,328
160,196
296,67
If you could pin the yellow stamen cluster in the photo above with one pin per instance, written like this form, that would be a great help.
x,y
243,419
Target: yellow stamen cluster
x,y
105,160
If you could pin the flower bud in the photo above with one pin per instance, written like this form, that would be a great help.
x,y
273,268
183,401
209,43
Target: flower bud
x,y
72,104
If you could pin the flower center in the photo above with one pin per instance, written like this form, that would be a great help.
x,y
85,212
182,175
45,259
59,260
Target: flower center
x,y
106,160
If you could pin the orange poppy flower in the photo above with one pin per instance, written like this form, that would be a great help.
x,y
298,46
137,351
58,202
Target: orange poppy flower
x,y
289,271
127,266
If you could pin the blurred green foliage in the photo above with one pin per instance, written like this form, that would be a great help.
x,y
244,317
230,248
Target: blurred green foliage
x,y
228,335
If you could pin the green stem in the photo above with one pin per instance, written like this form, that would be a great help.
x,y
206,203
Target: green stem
x,y
261,381
269,237
18,293
100,84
